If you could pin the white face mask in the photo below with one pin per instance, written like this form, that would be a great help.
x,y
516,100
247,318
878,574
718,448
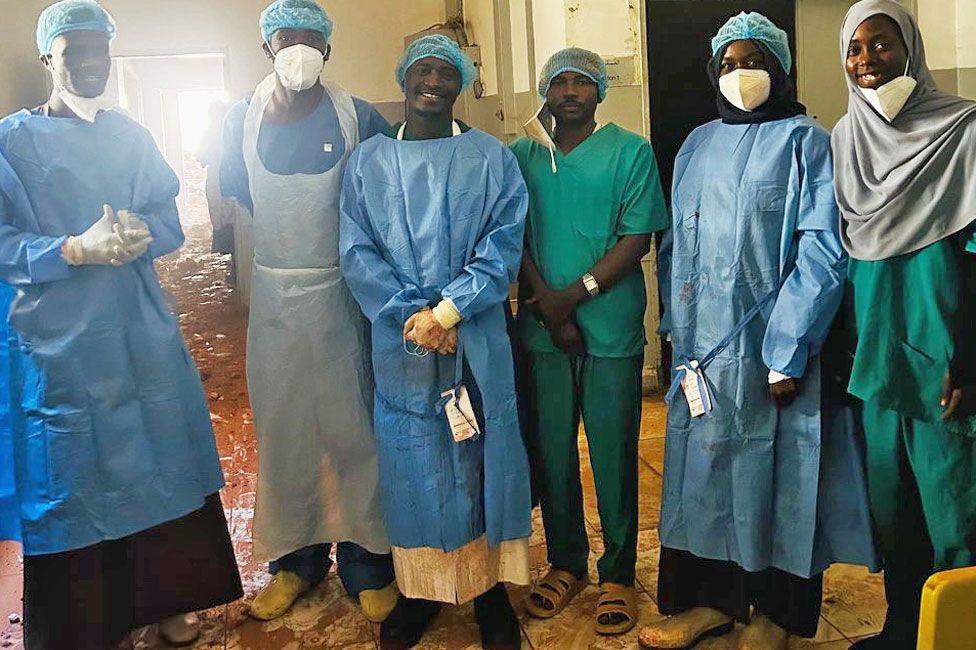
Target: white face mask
x,y
538,130
298,66
746,89
85,108
890,98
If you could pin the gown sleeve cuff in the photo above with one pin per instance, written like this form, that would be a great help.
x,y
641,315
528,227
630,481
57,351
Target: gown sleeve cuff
x,y
447,314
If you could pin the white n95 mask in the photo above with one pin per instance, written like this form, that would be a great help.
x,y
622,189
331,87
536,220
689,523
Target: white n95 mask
x,y
298,66
746,89
538,130
85,108
889,99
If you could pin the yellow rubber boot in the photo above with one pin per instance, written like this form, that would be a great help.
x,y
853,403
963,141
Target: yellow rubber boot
x,y
378,603
180,630
763,634
278,597
685,629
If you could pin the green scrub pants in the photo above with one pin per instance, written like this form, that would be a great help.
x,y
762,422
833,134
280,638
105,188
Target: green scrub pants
x,y
922,481
606,393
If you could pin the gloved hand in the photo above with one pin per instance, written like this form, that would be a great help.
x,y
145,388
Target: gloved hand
x,y
450,344
135,234
102,243
114,240
424,330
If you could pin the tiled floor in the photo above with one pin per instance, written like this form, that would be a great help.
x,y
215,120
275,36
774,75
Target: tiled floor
x,y
213,325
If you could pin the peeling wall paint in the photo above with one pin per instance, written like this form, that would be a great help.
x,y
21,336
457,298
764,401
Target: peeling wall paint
x,y
610,28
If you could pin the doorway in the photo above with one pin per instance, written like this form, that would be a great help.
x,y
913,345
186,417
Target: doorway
x,y
172,96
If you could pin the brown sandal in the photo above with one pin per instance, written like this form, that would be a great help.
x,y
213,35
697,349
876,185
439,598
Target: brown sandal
x,y
616,611
555,590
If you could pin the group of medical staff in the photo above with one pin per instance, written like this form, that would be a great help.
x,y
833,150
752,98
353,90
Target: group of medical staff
x,y
822,406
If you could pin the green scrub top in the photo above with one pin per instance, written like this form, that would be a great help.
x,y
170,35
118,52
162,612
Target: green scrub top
x,y
606,188
904,308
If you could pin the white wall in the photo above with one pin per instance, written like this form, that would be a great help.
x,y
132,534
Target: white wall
x,y
479,18
549,21
22,79
937,20
822,85
966,47
966,33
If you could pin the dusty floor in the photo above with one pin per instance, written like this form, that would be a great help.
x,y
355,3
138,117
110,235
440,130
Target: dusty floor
x,y
214,327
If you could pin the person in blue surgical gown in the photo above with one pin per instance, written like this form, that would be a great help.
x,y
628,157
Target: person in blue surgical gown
x,y
432,220
764,482
285,150
115,474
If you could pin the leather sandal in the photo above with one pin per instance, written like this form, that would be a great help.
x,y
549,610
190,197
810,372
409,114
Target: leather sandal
x,y
616,610
551,594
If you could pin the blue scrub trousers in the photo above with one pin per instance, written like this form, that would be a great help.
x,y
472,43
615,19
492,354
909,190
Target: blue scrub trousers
x,y
358,569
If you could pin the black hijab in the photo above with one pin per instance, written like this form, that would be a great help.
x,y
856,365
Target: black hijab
x,y
782,94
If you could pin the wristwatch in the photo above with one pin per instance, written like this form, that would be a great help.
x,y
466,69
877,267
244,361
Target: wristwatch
x,y
592,287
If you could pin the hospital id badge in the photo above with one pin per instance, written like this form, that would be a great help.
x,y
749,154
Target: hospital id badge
x,y
460,414
696,390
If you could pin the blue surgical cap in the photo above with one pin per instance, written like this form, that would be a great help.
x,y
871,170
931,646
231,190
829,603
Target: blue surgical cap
x,y
574,59
440,47
295,14
755,27
72,16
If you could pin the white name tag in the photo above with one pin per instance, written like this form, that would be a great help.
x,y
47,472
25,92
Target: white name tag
x,y
696,390
460,414
327,147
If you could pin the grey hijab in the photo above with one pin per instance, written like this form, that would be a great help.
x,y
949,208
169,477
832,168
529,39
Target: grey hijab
x,y
911,183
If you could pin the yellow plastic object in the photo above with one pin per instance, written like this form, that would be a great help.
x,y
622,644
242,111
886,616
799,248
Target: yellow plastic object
x,y
948,619
378,603
278,596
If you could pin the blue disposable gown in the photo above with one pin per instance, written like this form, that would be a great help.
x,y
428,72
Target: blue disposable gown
x,y
110,428
754,216
9,508
421,221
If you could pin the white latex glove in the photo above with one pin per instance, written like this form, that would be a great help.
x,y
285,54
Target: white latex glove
x,y
135,234
102,243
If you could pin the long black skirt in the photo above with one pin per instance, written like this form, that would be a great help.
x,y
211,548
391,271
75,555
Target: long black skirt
x,y
91,598
686,581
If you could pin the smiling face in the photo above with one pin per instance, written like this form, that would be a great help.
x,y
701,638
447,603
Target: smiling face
x,y
80,62
432,86
572,97
744,55
877,52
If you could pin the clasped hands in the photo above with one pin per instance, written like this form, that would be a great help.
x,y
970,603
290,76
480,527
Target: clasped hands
x,y
424,330
115,239
554,309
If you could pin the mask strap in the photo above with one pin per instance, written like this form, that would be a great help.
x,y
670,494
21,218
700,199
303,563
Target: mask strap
x,y
274,54
418,351
908,63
